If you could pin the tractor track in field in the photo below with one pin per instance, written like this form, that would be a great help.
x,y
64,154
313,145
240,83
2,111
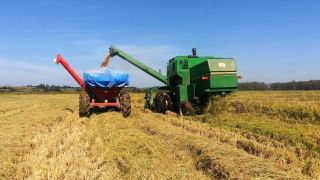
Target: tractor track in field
x,y
201,160
25,109
199,151
249,144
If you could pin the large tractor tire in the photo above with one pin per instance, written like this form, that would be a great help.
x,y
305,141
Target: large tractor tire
x,y
186,109
125,104
162,103
84,104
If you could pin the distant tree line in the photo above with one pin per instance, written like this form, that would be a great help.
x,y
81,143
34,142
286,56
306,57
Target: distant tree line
x,y
50,87
54,88
39,88
293,85
244,86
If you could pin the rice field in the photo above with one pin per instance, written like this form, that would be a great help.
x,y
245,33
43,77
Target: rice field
x,y
287,105
256,135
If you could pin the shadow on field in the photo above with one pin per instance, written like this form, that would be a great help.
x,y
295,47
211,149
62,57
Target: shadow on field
x,y
100,110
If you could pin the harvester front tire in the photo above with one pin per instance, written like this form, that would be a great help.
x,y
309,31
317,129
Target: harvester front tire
x,y
84,104
186,109
125,104
162,103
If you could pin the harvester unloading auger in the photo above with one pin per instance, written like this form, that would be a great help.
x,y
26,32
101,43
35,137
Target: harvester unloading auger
x,y
190,82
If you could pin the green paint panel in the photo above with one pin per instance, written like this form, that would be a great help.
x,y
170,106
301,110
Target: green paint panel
x,y
181,92
223,82
184,92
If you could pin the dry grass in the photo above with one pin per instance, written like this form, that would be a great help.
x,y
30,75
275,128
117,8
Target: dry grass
x,y
43,137
23,117
296,106
279,119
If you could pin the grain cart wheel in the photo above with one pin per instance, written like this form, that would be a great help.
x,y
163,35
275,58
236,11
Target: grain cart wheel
x,y
162,103
186,109
125,104
84,104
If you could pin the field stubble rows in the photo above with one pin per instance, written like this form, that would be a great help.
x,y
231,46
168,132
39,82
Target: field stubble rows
x,y
43,137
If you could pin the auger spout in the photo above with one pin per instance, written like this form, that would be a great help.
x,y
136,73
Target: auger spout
x,y
116,51
59,60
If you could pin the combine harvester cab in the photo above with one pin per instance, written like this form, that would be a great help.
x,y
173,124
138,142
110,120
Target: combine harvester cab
x,y
101,88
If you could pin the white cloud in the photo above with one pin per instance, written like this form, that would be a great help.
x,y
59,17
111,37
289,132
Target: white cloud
x,y
22,73
25,66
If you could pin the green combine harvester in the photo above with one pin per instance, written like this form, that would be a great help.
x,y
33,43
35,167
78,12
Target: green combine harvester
x,y
189,84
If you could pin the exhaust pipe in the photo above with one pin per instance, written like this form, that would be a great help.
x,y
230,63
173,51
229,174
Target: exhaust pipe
x,y
194,51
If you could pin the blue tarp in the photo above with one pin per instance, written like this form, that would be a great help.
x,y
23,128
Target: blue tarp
x,y
105,77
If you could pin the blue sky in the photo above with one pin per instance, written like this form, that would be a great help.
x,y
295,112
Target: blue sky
x,y
271,40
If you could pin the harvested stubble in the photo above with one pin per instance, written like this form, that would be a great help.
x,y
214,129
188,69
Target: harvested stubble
x,y
57,144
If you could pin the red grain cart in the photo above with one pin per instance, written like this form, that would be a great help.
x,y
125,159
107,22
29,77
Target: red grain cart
x,y
94,97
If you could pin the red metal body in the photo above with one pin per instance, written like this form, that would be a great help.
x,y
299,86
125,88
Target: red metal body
x,y
75,76
106,97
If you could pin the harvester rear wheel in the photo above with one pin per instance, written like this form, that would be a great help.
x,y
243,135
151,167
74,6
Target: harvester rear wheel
x,y
125,104
186,109
162,103
84,104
